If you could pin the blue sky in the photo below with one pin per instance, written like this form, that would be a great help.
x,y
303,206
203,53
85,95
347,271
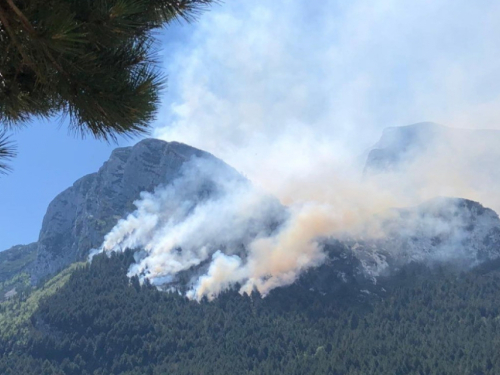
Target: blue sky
x,y
263,84
50,159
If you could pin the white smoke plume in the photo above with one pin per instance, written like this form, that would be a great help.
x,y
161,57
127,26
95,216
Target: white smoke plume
x,y
272,261
210,214
291,93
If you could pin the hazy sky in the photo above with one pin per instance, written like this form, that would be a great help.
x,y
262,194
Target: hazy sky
x,y
261,82
275,73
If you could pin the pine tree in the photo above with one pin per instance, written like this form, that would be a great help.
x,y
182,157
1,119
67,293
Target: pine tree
x,y
92,60
7,151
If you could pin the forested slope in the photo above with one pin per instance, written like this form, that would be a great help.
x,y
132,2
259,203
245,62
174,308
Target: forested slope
x,y
101,322
16,260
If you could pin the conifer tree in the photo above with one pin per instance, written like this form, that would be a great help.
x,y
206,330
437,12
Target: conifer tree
x,y
92,60
7,151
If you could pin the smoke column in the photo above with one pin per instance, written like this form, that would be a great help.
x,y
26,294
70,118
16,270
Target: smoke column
x,y
292,94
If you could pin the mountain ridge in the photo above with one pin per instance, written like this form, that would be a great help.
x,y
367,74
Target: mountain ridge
x,y
399,146
77,219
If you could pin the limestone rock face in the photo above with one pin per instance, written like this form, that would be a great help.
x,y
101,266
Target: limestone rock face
x,y
444,229
79,217
452,231
400,144
471,152
444,232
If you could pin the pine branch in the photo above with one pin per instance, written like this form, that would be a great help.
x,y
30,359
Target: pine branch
x,y
6,25
29,28
92,60
185,9
7,152
22,17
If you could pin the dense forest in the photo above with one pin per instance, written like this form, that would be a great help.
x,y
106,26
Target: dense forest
x,y
92,319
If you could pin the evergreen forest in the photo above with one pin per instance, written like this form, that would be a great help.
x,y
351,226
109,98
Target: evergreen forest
x,y
93,319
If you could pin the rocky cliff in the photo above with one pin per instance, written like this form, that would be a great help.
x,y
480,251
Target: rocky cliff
x,y
441,230
444,232
79,217
474,151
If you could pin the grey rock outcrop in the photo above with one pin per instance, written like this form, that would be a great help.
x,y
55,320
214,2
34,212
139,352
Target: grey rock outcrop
x,y
77,220
449,232
474,151
452,231
400,144
79,217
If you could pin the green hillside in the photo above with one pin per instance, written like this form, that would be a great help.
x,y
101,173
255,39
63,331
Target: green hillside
x,y
100,322
16,260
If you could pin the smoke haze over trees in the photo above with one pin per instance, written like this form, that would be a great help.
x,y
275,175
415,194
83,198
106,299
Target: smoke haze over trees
x,y
102,322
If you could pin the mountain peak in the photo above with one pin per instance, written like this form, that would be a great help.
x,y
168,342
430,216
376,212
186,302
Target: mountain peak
x,y
79,217
398,145
405,136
